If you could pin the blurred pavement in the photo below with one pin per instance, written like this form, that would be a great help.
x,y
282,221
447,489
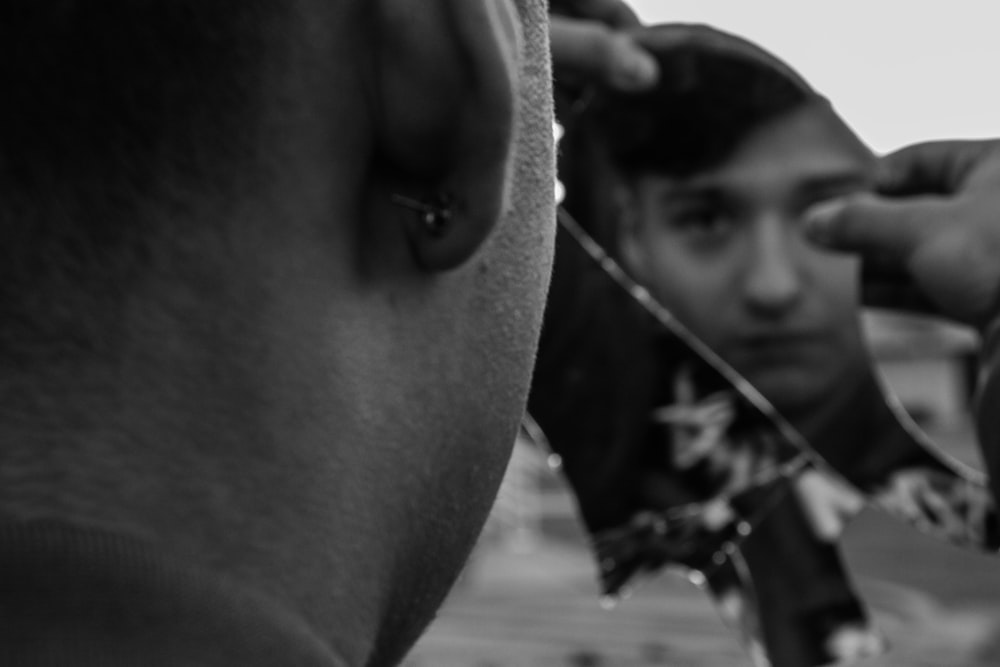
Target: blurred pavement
x,y
529,598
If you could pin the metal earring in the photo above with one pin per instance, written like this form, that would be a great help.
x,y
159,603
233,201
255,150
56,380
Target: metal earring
x,y
435,214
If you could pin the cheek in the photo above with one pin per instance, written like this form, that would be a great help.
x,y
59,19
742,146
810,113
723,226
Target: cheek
x,y
836,290
837,277
695,291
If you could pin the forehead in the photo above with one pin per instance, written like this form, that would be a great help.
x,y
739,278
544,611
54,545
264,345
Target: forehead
x,y
804,146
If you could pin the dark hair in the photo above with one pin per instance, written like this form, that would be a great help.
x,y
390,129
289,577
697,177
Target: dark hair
x,y
714,89
705,104
117,115
124,89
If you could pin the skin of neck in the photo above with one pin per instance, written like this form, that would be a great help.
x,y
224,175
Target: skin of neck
x,y
208,425
210,431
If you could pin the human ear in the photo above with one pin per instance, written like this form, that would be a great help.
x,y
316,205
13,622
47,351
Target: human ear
x,y
445,105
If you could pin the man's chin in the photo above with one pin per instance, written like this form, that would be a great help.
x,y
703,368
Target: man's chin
x,y
790,387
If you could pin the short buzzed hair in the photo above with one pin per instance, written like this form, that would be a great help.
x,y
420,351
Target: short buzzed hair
x,y
117,89
117,116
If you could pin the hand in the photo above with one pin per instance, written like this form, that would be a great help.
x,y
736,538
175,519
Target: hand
x,y
935,503
590,43
828,503
937,215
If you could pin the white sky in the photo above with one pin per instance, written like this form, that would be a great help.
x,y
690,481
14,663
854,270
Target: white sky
x,y
898,71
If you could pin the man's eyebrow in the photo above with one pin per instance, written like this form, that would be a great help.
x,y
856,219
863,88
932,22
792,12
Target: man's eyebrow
x,y
707,191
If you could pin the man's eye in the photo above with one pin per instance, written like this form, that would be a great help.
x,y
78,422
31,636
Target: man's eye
x,y
702,223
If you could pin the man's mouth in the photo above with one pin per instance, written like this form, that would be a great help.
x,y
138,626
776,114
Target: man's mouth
x,y
780,344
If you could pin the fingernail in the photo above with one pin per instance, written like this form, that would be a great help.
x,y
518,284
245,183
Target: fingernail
x,y
819,220
639,70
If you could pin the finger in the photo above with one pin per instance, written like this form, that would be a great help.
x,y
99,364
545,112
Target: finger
x,y
614,13
595,52
937,167
875,226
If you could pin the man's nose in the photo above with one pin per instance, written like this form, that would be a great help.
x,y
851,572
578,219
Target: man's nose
x,y
773,276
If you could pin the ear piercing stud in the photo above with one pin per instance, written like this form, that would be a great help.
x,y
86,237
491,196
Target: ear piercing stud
x,y
435,213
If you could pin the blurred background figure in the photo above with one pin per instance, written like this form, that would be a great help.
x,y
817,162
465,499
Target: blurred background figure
x,y
697,187
928,553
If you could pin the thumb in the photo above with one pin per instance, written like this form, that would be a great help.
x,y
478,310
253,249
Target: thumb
x,y
594,52
614,13
935,167
875,226
949,259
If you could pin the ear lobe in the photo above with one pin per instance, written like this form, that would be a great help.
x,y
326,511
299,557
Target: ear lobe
x,y
445,110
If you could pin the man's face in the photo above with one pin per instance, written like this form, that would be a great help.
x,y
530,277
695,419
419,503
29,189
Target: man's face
x,y
725,251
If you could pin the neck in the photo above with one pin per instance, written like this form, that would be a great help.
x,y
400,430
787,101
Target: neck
x,y
197,435
848,425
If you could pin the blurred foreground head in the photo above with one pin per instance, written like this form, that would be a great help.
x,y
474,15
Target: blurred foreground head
x,y
704,182
219,333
